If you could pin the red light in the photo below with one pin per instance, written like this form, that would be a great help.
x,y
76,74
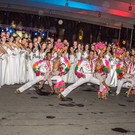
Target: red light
x,y
119,12
117,43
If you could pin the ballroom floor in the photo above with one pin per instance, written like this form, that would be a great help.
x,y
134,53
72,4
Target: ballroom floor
x,y
80,114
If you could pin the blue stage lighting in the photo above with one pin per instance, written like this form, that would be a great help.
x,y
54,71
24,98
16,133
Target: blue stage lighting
x,y
2,30
35,33
43,34
10,30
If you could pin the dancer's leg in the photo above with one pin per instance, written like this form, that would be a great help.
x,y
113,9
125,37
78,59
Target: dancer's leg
x,y
132,80
94,80
120,83
75,85
29,84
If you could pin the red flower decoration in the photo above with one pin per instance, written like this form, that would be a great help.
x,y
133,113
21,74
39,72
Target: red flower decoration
x,y
101,70
120,75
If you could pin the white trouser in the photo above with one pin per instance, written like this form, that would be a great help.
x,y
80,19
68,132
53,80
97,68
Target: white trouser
x,y
36,80
89,78
101,78
31,83
124,80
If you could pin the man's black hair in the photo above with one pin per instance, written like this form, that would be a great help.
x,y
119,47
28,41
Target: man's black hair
x,y
91,51
48,53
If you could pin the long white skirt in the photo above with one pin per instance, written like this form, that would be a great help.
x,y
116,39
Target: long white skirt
x,y
17,68
112,79
30,72
22,75
72,77
7,73
4,65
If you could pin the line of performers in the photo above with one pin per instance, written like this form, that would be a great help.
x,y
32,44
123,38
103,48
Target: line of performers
x,y
96,66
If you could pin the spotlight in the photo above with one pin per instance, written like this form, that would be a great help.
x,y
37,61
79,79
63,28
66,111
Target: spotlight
x,y
2,30
43,34
130,7
35,33
10,30
112,43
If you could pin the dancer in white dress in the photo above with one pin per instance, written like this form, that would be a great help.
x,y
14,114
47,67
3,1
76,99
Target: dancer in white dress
x,y
3,54
17,39
30,72
12,60
79,52
49,48
10,65
72,77
35,53
23,61
5,62
112,79
42,50
107,53
23,70
127,56
86,52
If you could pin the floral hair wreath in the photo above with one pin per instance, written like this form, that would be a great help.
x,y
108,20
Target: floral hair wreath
x,y
120,52
59,46
100,46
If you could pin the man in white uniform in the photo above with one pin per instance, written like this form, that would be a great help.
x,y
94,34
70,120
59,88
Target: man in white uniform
x,y
88,67
44,69
128,76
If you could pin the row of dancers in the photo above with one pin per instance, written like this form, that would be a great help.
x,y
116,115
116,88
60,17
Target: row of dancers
x,y
17,61
90,70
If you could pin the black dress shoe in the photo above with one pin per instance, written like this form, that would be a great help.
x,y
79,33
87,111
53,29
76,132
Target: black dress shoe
x,y
110,92
38,91
52,93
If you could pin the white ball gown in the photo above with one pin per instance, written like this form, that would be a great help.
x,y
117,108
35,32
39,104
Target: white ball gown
x,y
42,55
78,55
72,77
112,79
9,76
30,72
85,55
4,66
13,66
23,69
17,65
